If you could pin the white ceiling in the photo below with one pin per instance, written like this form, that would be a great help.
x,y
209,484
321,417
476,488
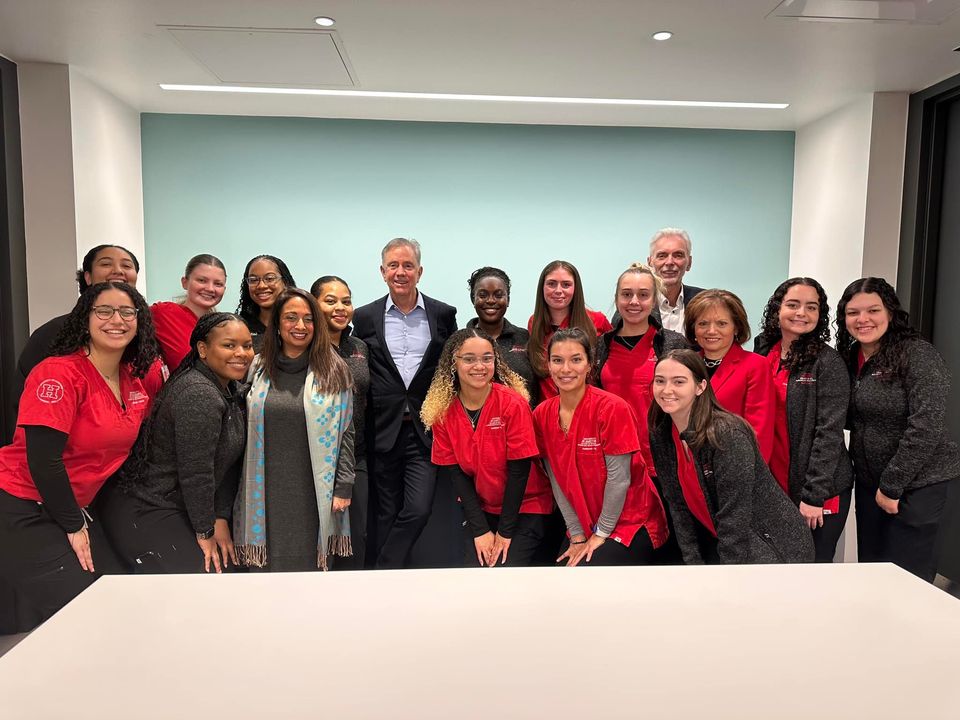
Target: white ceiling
x,y
722,50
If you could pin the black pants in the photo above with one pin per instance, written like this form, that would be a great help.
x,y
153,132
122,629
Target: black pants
x,y
825,538
907,538
406,482
668,553
525,546
614,554
358,519
37,562
150,539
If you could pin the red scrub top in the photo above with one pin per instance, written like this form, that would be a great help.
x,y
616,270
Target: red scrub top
x,y
68,394
602,424
504,432
744,387
690,484
629,374
174,324
547,387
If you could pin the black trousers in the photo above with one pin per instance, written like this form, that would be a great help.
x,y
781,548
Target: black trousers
x,y
406,481
149,539
528,537
907,538
614,554
358,519
37,562
668,553
825,538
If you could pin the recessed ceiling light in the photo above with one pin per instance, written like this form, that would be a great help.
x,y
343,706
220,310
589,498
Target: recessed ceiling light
x,y
324,21
662,35
480,98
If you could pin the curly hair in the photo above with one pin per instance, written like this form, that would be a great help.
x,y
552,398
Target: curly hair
x,y
142,351
805,349
485,272
86,266
892,356
247,309
540,325
446,383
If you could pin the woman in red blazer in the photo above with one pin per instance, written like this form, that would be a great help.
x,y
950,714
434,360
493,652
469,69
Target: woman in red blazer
x,y
716,322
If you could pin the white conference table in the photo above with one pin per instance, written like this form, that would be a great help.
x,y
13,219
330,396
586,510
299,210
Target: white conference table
x,y
770,642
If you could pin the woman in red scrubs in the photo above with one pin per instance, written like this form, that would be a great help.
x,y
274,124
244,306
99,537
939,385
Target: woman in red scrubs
x,y
483,442
559,304
810,459
716,321
726,505
80,412
205,280
590,449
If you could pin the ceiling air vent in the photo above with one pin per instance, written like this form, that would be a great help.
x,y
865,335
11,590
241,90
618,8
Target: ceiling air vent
x,y
911,12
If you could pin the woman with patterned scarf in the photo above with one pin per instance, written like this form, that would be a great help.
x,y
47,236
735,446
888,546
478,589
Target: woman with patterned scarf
x,y
298,468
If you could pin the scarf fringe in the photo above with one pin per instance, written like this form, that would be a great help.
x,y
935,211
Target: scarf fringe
x,y
341,545
252,555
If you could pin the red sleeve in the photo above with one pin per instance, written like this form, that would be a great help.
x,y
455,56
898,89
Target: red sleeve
x,y
600,322
442,451
618,430
155,377
538,430
52,394
530,324
173,334
521,437
760,404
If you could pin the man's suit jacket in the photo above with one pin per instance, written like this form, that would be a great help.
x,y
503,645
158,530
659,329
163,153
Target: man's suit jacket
x,y
689,291
388,395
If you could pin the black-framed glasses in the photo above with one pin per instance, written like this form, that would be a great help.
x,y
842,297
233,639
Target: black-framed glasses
x,y
105,312
268,279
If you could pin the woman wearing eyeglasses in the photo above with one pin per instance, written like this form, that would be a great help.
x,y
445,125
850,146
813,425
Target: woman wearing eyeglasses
x,y
264,278
298,469
205,280
79,415
483,442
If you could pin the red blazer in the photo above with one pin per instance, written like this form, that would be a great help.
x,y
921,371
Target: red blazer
x,y
743,385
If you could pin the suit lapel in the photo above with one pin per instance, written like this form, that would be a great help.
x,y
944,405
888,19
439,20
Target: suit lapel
x,y
727,367
380,311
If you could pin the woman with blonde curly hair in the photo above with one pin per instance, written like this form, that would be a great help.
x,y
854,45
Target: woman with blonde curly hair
x,y
483,442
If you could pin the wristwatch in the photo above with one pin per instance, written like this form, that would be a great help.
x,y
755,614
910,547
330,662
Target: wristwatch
x,y
205,535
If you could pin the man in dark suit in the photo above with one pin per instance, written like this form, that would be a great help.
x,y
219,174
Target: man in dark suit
x,y
671,256
405,331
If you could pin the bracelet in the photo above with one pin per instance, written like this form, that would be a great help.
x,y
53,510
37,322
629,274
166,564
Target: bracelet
x,y
205,535
578,542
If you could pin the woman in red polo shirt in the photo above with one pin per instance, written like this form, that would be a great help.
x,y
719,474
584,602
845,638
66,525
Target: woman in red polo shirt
x,y
483,441
559,304
80,412
716,321
590,448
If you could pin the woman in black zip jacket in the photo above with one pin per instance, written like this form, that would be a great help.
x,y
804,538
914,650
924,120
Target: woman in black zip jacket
x,y
902,457
726,506
810,459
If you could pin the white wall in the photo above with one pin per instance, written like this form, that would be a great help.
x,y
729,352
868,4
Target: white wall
x,y
108,187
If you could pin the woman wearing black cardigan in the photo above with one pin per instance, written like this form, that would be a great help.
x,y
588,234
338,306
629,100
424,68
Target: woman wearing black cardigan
x,y
810,459
902,457
726,506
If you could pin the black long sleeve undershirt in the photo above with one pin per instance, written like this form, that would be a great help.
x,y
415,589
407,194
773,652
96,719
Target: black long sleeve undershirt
x,y
45,460
465,488
517,473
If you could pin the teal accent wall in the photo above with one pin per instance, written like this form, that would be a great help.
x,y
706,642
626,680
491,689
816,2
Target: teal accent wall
x,y
325,195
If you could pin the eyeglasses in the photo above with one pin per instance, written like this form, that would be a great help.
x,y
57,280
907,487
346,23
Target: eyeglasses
x,y
105,312
268,279
470,360
294,319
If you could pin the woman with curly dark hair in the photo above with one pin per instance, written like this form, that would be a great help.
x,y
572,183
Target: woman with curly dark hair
x,y
483,442
170,508
902,457
810,459
79,415
264,278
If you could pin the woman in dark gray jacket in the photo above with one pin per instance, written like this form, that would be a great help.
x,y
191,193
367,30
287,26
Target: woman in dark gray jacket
x,y
810,459
726,506
902,457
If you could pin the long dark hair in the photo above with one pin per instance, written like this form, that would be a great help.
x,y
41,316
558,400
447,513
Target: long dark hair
x,y
330,372
75,333
891,357
707,418
135,465
91,257
247,309
541,327
806,348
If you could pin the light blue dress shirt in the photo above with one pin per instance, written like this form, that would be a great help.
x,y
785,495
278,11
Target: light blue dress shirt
x,y
407,337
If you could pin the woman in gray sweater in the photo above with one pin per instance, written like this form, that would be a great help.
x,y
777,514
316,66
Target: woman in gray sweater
x,y
726,506
902,457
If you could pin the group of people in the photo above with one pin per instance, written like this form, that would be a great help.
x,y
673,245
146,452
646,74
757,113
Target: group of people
x,y
176,438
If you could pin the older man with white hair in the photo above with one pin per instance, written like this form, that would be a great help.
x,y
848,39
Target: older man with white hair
x,y
671,256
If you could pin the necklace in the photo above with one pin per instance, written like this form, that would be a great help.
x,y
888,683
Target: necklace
x,y
712,363
472,415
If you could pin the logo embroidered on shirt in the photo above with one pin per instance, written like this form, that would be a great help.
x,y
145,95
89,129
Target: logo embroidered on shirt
x,y
806,379
589,443
50,391
518,348
136,397
495,424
